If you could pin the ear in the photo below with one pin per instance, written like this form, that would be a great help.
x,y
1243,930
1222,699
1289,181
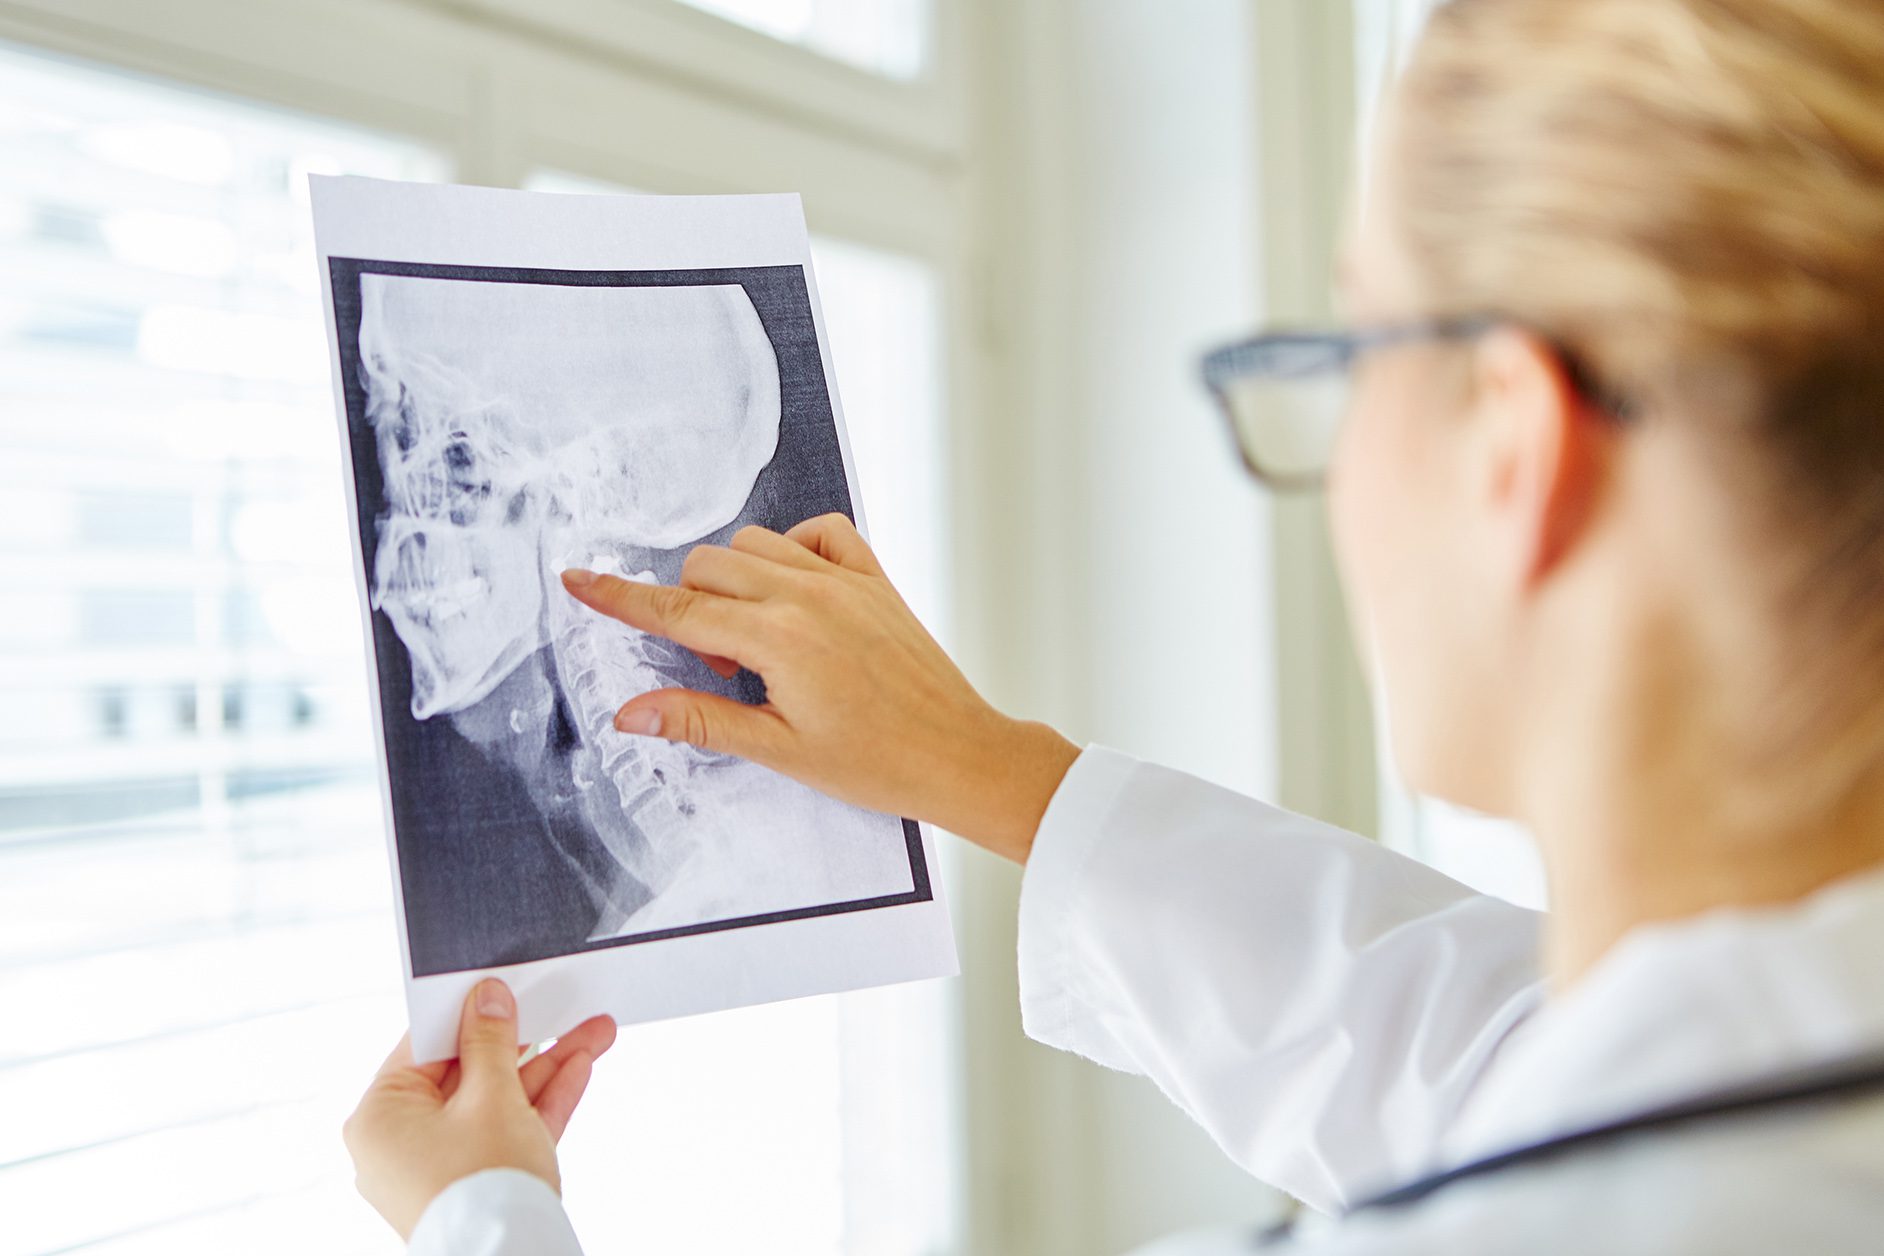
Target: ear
x,y
1546,450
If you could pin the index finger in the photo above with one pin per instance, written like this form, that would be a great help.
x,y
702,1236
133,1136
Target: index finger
x,y
703,622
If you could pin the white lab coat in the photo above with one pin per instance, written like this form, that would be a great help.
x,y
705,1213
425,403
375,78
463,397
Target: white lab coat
x,y
1341,1018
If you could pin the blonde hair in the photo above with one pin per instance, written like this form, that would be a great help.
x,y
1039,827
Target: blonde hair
x,y
1688,195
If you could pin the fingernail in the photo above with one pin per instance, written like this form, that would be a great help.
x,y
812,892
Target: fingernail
x,y
645,722
578,578
494,999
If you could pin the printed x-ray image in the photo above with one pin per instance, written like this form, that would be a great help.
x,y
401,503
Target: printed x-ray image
x,y
505,425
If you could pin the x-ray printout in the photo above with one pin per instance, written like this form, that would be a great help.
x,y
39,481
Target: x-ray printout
x,y
534,381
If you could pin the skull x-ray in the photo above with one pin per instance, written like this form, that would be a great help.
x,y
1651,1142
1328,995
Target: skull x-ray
x,y
508,424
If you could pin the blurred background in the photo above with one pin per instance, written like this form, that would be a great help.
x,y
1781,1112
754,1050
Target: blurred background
x,y
1030,217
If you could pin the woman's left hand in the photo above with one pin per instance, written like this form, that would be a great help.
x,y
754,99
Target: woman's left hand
x,y
419,1128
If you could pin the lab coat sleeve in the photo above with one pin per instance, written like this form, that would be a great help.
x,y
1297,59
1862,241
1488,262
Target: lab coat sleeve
x,y
498,1212
1320,1004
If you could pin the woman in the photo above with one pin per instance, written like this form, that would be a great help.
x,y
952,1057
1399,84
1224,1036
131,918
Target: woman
x,y
1609,504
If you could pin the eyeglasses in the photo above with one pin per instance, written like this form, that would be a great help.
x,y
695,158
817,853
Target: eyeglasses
x,y
1284,394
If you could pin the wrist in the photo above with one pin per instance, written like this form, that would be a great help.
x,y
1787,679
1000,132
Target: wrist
x,y
1020,766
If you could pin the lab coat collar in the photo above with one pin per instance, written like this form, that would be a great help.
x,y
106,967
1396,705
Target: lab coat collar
x,y
1680,1008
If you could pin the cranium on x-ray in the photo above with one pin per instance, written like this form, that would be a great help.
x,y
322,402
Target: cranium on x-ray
x,y
527,428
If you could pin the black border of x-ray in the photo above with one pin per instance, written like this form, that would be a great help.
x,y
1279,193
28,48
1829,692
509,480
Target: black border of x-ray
x,y
362,451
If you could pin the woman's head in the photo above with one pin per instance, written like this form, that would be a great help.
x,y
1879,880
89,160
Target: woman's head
x,y
1674,203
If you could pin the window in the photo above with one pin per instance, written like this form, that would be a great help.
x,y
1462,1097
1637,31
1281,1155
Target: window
x,y
194,906
196,943
888,37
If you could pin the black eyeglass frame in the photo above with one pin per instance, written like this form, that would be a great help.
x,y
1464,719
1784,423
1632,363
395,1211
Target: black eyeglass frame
x,y
1305,354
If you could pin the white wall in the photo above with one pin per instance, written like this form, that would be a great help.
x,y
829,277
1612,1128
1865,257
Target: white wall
x,y
1124,147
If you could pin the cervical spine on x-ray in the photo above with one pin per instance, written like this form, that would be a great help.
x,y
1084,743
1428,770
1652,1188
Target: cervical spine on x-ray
x,y
526,428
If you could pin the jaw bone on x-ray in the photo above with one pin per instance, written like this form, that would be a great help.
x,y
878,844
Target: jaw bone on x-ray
x,y
524,428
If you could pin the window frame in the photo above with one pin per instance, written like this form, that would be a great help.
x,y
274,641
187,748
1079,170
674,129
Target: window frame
x,y
924,115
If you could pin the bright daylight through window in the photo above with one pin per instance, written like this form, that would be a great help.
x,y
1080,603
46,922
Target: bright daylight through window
x,y
192,869
192,883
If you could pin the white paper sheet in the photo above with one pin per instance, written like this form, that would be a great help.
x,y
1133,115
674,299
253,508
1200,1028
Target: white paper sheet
x,y
531,381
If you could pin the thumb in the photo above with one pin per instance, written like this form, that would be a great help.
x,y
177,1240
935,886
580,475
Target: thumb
x,y
705,720
487,1038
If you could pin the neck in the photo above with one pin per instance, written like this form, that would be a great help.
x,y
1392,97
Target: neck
x,y
1644,812
1653,873
1642,718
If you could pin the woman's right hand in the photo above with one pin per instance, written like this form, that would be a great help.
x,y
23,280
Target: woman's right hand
x,y
861,702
